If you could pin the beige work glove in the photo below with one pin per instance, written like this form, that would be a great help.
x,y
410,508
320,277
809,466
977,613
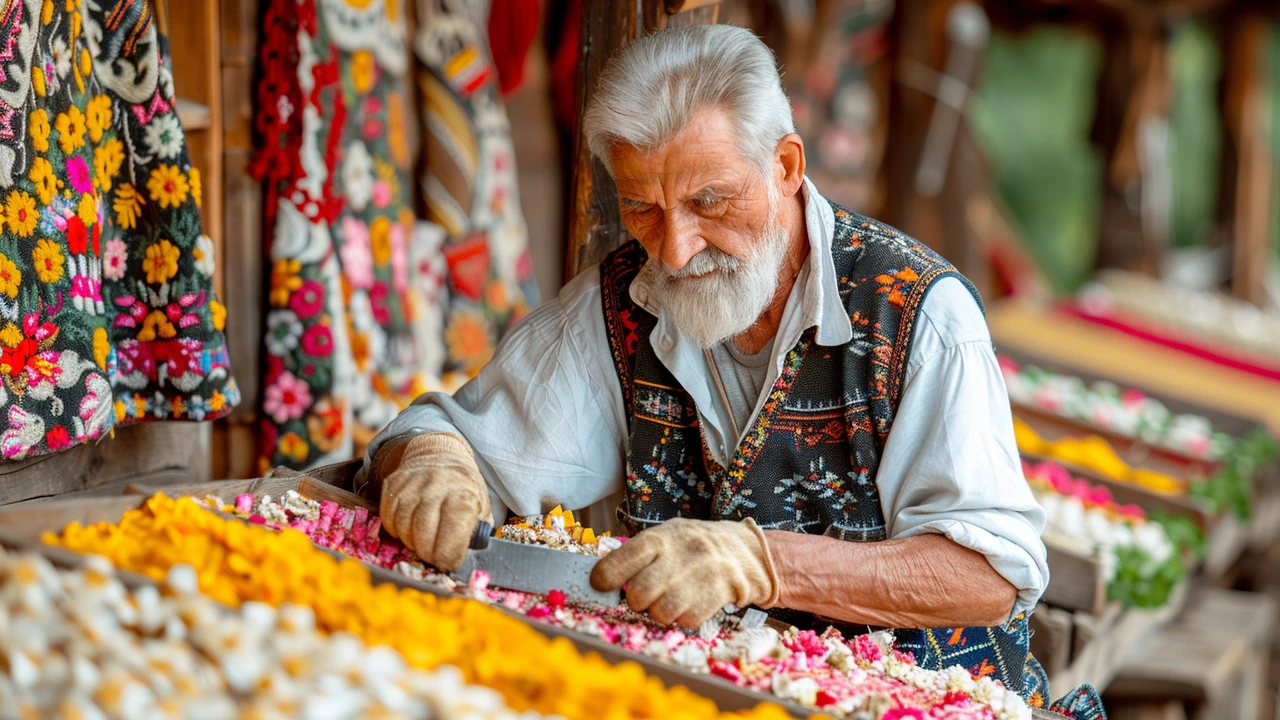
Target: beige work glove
x,y
432,495
685,571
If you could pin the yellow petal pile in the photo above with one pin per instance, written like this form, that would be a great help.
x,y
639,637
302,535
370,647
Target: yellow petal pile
x,y
237,562
1096,454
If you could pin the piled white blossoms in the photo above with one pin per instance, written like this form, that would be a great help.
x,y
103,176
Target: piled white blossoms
x,y
1209,315
80,644
1094,531
1128,413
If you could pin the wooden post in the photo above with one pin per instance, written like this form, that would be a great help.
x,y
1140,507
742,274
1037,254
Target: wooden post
x,y
1253,170
935,172
594,225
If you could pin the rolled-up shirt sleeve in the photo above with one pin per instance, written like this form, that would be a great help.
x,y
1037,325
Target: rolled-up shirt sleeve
x,y
544,416
950,464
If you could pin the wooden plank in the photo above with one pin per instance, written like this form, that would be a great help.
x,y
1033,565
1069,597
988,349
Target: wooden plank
x,y
194,43
1200,657
245,294
1101,642
193,115
1076,581
239,24
1126,360
137,451
1169,710
1233,424
1051,637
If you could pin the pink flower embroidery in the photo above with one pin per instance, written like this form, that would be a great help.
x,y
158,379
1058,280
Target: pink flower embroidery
x,y
287,399
399,259
357,260
78,174
903,714
114,260
317,341
378,303
381,194
308,300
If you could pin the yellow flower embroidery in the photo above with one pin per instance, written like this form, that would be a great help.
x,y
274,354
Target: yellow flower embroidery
x,y
197,189
218,401
10,279
20,213
218,313
292,445
107,159
380,240
70,126
153,323
363,71
284,281
128,206
88,209
48,260
37,81
161,261
11,335
98,116
39,130
46,182
101,347
168,186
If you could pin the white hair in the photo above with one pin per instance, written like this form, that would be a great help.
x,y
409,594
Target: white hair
x,y
649,91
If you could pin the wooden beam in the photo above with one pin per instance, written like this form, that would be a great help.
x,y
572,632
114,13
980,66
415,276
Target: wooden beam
x,y
1250,205
1076,581
157,453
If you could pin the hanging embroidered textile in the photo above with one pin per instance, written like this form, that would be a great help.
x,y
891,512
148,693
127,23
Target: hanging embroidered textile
x,y
350,334
469,183
107,314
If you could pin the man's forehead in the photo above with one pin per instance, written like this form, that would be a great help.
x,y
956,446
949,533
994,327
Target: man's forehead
x,y
677,167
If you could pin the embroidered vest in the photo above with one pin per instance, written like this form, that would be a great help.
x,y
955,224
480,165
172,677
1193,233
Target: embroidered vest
x,y
808,461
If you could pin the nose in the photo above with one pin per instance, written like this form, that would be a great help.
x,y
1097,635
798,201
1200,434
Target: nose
x,y
681,239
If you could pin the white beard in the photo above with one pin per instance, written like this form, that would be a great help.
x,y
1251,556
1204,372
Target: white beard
x,y
711,310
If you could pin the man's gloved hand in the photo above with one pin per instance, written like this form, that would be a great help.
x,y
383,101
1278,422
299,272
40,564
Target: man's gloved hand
x,y
432,495
685,570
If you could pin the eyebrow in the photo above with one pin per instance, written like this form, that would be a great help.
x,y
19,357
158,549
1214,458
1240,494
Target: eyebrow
x,y
633,203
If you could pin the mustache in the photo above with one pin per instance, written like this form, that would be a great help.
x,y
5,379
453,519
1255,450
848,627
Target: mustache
x,y
708,260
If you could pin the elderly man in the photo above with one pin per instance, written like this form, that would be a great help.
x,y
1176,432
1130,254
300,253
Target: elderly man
x,y
800,405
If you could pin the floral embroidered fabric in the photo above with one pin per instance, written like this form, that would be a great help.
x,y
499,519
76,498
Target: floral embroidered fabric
x,y
469,182
107,314
348,329
356,324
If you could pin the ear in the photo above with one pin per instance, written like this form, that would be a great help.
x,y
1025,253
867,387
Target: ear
x,y
789,164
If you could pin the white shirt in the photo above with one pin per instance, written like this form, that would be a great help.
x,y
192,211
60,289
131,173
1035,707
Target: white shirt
x,y
545,416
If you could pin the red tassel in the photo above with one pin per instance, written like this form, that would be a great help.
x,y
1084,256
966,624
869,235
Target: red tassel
x,y
512,24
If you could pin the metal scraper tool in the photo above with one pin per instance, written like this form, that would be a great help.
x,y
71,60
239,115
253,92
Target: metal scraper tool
x,y
532,568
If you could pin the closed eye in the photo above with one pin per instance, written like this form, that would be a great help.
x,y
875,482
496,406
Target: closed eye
x,y
708,201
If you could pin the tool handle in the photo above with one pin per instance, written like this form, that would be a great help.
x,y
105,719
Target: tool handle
x,y
480,538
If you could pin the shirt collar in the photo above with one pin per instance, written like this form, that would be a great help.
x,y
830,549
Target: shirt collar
x,y
821,305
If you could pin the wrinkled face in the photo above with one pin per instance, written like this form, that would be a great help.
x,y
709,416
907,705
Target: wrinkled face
x,y
708,219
